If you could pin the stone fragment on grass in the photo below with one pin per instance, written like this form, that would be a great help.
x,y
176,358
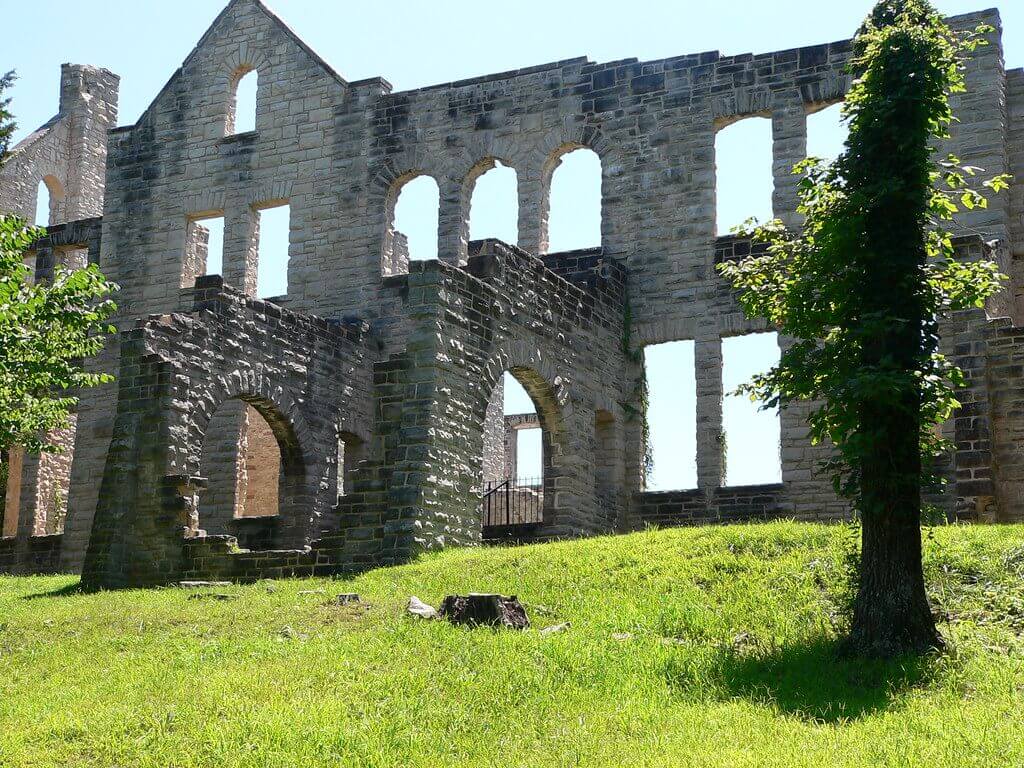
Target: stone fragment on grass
x,y
555,629
212,596
195,584
418,608
484,610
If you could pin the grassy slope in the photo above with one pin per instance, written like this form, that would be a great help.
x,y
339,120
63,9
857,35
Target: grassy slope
x,y
728,663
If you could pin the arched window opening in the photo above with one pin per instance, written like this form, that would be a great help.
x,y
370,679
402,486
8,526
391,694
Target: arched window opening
x,y
494,205
49,196
671,416
43,205
241,116
574,202
412,230
273,238
527,452
826,133
517,446
242,462
751,435
744,179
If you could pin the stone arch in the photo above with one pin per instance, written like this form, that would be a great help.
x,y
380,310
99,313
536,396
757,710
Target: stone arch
x,y
396,261
569,137
468,185
297,485
550,394
551,164
544,377
237,65
385,188
828,89
50,178
731,107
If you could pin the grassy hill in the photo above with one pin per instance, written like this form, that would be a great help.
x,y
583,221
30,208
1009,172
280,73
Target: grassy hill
x,y
705,647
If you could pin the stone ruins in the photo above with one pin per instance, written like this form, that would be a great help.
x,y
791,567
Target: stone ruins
x,y
352,422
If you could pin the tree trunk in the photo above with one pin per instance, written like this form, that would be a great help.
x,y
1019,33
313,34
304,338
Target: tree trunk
x,y
891,614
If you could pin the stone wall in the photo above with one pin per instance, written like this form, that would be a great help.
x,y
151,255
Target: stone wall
x,y
67,153
309,379
401,361
723,505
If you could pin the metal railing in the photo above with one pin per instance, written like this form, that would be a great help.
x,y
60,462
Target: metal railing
x,y
515,501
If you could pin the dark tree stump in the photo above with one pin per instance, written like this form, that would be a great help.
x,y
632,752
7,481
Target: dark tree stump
x,y
484,610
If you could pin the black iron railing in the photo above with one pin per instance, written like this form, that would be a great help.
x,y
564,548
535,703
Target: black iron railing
x,y
515,501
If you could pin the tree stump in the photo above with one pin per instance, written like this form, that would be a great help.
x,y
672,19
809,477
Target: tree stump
x,y
476,610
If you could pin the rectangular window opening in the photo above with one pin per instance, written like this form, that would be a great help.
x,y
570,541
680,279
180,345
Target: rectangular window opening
x,y
204,248
827,133
272,252
671,415
752,436
744,182
529,456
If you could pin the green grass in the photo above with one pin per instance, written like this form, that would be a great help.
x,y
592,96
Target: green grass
x,y
705,647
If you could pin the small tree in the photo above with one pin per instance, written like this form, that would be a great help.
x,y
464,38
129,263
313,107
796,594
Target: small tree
x,y
45,331
860,288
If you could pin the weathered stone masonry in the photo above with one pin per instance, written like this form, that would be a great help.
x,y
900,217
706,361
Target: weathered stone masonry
x,y
375,374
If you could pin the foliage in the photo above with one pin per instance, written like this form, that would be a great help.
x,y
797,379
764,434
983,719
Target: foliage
x,y
687,647
45,331
819,285
7,124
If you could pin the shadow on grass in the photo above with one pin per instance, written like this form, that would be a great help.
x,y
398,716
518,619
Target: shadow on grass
x,y
814,681
74,588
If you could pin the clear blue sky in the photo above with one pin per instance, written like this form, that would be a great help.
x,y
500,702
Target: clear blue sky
x,y
414,43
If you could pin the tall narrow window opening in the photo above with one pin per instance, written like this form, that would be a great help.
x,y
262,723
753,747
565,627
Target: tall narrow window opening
x,y
205,244
574,207
744,181
494,205
826,133
242,112
43,204
672,415
412,233
752,436
272,258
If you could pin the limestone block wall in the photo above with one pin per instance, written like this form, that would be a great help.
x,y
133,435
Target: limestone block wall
x,y
412,409
495,456
68,153
504,312
309,378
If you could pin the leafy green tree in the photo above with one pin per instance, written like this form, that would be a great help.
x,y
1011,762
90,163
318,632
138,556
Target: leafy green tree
x,y
860,289
7,124
45,331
